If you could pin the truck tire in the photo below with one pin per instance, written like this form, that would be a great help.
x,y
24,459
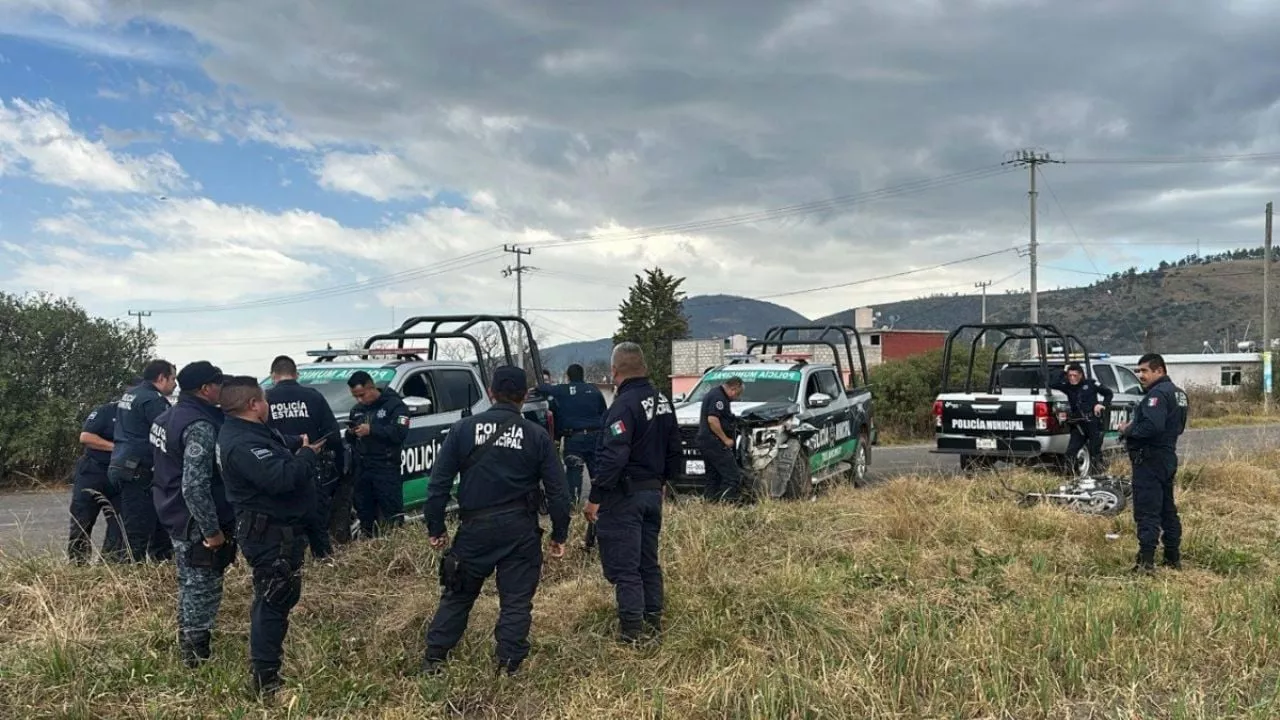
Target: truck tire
x,y
861,461
793,480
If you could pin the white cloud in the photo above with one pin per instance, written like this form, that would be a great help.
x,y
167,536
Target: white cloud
x,y
380,176
37,137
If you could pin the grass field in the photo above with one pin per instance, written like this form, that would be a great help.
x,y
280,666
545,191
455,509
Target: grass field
x,y
917,598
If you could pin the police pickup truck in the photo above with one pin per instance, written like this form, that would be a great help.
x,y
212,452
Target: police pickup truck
x,y
437,392
1014,415
801,423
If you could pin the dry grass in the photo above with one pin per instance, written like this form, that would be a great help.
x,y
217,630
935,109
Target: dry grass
x,y
916,598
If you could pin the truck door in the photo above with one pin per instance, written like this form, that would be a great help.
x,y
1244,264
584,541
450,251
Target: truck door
x,y
834,441
1113,377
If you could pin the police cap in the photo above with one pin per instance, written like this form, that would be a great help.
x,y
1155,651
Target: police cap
x,y
509,379
198,374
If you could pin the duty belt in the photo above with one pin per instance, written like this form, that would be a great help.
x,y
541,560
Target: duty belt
x,y
582,431
492,510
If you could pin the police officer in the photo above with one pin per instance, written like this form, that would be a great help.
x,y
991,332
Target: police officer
x,y
91,487
580,407
503,458
298,410
191,503
717,432
1088,400
639,450
271,490
1152,441
131,461
379,425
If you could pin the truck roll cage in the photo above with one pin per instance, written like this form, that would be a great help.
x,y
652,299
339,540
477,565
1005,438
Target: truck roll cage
x,y
1039,333
777,336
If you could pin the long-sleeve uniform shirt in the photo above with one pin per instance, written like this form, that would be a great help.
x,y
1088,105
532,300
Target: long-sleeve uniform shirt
x,y
1159,419
388,420
262,475
640,440
1085,396
520,460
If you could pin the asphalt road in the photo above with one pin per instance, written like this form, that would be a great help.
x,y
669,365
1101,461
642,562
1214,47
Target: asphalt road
x,y
37,521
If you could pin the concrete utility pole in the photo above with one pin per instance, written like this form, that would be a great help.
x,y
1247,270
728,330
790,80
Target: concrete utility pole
x,y
519,270
1266,316
984,285
1032,159
140,314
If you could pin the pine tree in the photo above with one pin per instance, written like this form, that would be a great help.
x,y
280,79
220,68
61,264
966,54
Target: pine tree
x,y
653,316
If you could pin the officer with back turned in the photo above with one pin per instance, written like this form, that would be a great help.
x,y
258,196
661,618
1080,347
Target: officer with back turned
x,y
271,490
92,487
503,458
717,433
191,503
379,426
639,450
299,410
580,407
131,461
1151,438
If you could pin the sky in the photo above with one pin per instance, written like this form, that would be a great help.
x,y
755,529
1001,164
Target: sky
x,y
268,176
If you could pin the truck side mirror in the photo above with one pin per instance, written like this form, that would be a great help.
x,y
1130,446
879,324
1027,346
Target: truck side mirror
x,y
679,398
417,405
819,400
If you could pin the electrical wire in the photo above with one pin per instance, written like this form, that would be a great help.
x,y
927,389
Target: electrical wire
x,y
1175,159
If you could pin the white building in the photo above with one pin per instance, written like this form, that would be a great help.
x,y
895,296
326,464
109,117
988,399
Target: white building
x,y
1206,371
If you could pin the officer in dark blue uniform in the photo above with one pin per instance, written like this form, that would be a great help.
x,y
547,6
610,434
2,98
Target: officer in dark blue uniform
x,y
639,450
271,490
299,410
717,432
1152,441
131,461
379,425
508,465
579,408
92,487
1088,399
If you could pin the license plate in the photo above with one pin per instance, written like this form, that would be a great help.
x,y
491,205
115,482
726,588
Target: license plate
x,y
986,443
695,467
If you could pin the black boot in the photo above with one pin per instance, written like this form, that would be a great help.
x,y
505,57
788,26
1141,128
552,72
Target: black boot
x,y
630,632
195,648
653,625
433,663
1172,559
266,682
1145,562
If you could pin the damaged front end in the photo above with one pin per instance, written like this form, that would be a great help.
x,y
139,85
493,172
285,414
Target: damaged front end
x,y
771,450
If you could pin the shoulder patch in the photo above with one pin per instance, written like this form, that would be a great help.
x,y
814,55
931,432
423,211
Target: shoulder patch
x,y
262,453
1154,401
403,421
719,404
617,428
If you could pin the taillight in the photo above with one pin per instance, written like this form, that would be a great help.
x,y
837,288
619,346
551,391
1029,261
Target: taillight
x,y
1044,417
937,414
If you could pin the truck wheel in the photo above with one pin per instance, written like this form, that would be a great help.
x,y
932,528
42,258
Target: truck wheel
x,y
861,461
800,480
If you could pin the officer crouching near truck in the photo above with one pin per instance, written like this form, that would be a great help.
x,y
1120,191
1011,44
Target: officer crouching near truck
x,y
1152,441
191,503
131,462
508,464
271,490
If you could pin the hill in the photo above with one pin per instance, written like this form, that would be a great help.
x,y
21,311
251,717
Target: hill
x,y
911,598
1172,308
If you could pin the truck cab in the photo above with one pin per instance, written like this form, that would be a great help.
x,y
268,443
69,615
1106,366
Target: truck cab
x,y
437,392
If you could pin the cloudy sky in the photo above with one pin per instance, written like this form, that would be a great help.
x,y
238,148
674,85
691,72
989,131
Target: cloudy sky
x,y
269,175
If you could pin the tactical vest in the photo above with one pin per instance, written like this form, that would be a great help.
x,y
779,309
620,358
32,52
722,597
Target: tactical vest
x,y
133,432
166,491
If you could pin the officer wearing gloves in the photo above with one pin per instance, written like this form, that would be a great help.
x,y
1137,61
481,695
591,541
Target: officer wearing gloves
x,y
1152,441
579,409
271,490
92,487
639,450
1088,400
379,426
717,432
506,463
191,503
298,410
131,462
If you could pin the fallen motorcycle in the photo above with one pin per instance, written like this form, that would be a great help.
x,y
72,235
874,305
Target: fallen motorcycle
x,y
1105,495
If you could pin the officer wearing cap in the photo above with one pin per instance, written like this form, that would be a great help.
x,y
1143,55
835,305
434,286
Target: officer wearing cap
x,y
639,450
579,407
91,486
507,463
379,424
299,410
130,469
191,503
1152,441
271,490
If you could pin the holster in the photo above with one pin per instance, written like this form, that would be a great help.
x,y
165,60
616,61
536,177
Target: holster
x,y
1137,456
451,572
219,558
280,586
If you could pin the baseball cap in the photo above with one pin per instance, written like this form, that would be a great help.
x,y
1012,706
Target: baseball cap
x,y
509,379
198,374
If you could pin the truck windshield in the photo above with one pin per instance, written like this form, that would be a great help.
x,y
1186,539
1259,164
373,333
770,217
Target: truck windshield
x,y
758,385
332,384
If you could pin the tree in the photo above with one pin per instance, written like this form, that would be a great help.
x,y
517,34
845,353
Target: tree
x,y
490,341
653,316
56,364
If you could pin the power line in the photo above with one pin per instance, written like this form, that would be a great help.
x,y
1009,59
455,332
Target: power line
x,y
1175,159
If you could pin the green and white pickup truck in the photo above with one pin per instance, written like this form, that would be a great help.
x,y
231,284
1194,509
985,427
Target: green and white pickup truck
x,y
437,392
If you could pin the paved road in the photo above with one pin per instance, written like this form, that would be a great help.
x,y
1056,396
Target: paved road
x,y
38,521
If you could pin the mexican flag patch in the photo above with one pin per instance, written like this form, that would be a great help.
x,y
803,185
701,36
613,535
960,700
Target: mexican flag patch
x,y
617,428
403,420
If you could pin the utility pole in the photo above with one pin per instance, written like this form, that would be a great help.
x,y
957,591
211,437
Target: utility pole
x,y
984,285
140,314
1266,317
1032,159
519,270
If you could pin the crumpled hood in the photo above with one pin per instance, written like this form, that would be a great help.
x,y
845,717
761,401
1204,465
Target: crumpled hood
x,y
691,413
